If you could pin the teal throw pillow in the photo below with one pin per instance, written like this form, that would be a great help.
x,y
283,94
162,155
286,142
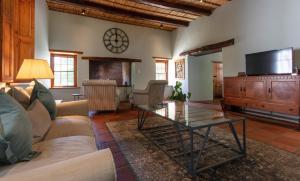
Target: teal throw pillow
x,y
44,95
15,131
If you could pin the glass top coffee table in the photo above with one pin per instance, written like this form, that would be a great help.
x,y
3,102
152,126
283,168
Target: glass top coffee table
x,y
197,138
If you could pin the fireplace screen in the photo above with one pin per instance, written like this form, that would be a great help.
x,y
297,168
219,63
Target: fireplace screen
x,y
119,71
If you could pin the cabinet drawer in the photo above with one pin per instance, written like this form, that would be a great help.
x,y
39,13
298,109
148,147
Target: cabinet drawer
x,y
293,110
258,105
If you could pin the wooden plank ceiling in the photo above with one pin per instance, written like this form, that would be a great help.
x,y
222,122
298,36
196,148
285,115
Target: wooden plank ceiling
x,y
161,14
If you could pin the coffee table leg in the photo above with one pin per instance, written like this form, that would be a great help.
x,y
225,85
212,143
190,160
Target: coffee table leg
x,y
241,148
180,138
141,119
202,147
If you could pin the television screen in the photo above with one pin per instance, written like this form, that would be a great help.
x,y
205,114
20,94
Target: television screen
x,y
270,62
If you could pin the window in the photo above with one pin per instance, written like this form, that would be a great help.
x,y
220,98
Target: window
x,y
161,69
64,67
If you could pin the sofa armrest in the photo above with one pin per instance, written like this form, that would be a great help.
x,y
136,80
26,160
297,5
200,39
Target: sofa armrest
x,y
94,166
73,108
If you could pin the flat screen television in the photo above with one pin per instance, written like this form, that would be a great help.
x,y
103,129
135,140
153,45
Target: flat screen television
x,y
270,62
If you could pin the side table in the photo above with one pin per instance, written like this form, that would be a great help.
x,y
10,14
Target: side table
x,y
77,96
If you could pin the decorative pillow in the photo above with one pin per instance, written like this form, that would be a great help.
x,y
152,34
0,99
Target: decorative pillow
x,y
16,132
40,120
41,93
20,95
29,90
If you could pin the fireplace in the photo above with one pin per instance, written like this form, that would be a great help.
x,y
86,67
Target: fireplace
x,y
119,71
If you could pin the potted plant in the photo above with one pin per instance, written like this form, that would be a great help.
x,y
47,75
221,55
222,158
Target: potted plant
x,y
178,95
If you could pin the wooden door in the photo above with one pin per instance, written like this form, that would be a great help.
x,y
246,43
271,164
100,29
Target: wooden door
x,y
233,87
284,91
255,88
217,80
24,31
6,48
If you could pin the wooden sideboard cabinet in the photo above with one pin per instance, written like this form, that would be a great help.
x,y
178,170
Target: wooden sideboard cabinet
x,y
273,94
16,36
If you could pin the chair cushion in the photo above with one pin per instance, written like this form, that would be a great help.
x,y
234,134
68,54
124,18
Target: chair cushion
x,y
53,151
70,126
40,119
15,132
44,95
20,95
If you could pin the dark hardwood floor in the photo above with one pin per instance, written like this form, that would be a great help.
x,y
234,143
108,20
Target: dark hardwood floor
x,y
278,136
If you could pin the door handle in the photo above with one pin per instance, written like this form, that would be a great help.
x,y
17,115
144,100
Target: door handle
x,y
241,89
244,89
269,90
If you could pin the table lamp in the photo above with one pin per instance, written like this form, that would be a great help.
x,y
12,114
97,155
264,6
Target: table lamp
x,y
35,69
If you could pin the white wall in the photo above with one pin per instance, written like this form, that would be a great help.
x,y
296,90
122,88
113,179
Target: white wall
x,y
41,42
200,76
73,32
256,25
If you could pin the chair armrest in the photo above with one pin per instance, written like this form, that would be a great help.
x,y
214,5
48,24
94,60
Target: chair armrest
x,y
73,108
140,91
94,166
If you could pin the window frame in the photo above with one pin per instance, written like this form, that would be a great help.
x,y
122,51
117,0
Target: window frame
x,y
166,62
52,55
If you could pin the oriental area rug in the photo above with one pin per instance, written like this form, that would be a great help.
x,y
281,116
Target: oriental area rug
x,y
263,162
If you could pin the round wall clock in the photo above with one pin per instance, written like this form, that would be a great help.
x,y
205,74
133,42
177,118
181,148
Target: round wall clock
x,y
116,40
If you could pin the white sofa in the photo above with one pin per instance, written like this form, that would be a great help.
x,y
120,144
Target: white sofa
x,y
68,151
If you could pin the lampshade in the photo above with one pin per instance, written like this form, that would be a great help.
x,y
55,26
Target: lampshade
x,y
35,69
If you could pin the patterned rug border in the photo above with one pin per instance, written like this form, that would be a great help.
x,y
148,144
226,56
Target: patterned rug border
x,y
119,146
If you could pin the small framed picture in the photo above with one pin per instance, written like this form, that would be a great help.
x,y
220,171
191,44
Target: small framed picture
x,y
179,69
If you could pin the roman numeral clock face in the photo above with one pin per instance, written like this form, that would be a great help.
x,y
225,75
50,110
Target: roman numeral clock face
x,y
116,40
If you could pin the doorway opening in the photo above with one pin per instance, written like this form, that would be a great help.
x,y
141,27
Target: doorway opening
x,y
217,80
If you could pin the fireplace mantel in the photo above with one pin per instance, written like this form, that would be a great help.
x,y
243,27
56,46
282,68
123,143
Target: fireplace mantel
x,y
111,59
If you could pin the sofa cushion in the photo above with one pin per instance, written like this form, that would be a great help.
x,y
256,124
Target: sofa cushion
x,y
40,120
16,132
20,95
44,95
70,126
53,151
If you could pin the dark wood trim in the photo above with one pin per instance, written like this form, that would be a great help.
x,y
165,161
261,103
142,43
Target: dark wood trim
x,y
208,49
52,55
111,59
65,51
177,7
124,12
162,58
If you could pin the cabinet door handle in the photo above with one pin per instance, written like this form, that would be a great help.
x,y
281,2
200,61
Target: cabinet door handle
x,y
241,89
269,90
244,89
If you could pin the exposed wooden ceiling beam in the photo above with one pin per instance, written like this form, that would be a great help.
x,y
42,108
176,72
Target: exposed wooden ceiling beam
x,y
177,7
208,49
124,12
